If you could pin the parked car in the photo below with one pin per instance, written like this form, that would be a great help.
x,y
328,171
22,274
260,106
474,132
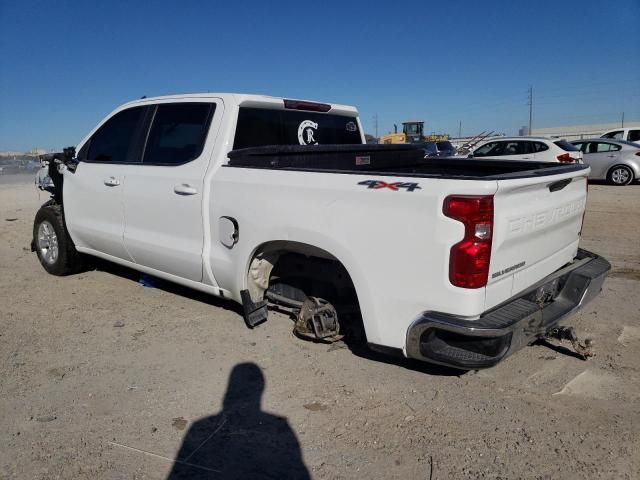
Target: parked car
x,y
628,134
439,149
253,199
538,149
615,161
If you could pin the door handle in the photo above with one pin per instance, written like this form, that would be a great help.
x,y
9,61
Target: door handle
x,y
612,156
111,182
185,189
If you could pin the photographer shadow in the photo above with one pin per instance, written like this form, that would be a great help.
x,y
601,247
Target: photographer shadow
x,y
241,441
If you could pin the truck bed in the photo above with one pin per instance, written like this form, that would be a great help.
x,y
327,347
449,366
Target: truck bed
x,y
388,160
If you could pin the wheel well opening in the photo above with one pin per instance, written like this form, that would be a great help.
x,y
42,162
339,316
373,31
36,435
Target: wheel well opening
x,y
298,271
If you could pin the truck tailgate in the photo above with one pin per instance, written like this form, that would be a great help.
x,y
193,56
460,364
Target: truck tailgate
x,y
537,223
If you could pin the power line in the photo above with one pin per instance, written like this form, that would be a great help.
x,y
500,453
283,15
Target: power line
x,y
608,84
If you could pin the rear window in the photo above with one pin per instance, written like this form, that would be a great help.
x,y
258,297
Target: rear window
x,y
566,146
634,135
444,145
260,126
430,147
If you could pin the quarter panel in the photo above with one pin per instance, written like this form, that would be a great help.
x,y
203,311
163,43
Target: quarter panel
x,y
394,244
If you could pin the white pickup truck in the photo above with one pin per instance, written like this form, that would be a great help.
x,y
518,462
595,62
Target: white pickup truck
x,y
264,201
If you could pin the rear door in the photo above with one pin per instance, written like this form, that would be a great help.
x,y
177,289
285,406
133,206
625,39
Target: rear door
x,y
93,195
537,222
515,150
163,195
600,156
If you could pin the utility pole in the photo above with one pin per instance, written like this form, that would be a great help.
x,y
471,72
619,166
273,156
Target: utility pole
x,y
622,120
460,129
375,123
530,108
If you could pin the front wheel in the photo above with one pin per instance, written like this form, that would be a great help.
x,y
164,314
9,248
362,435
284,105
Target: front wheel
x,y
52,243
620,175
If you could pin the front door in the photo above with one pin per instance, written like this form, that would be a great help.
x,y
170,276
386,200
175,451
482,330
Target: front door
x,y
163,196
94,209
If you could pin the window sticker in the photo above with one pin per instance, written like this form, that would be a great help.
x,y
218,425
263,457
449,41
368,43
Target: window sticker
x,y
307,133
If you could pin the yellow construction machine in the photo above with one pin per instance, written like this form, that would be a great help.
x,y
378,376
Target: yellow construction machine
x,y
412,132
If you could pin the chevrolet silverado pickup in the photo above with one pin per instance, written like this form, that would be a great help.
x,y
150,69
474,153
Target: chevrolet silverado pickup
x,y
277,203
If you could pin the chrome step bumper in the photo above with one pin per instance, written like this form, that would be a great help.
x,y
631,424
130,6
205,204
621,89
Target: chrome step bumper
x,y
472,344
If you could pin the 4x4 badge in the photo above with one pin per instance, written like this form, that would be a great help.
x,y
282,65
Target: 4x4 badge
x,y
395,186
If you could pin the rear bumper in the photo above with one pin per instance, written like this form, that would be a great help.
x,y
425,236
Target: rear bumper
x,y
471,344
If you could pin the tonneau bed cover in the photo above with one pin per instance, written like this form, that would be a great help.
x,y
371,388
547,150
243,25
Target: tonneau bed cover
x,y
399,160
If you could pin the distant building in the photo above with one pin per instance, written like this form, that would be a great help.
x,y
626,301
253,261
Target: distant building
x,y
577,132
11,154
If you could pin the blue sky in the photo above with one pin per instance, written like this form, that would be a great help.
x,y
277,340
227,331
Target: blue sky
x,y
64,65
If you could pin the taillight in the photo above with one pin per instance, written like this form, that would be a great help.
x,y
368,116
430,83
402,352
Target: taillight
x,y
469,258
565,158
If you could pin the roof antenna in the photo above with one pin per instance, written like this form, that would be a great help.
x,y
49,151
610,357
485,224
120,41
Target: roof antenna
x,y
143,96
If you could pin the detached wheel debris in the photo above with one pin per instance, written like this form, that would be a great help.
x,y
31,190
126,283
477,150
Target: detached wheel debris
x,y
569,333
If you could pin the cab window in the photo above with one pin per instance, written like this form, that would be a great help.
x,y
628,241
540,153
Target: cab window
x,y
617,134
178,133
115,140
513,148
492,149
634,136
538,147
598,147
258,127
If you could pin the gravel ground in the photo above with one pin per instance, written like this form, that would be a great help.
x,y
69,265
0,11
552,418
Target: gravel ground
x,y
104,378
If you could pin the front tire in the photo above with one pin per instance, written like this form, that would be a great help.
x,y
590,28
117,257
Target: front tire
x,y
620,175
51,241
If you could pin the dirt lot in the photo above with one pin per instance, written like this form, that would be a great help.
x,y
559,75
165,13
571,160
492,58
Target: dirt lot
x,y
104,378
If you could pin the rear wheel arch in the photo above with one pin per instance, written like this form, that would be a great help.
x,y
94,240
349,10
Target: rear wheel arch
x,y
267,255
313,270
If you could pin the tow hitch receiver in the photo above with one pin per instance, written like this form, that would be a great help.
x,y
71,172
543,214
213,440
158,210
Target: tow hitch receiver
x,y
569,333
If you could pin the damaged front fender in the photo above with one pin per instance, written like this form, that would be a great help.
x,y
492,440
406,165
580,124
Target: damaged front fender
x,y
49,177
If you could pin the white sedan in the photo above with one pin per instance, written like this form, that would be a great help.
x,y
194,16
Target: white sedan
x,y
535,149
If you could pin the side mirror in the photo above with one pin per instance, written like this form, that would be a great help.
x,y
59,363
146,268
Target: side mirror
x,y
69,153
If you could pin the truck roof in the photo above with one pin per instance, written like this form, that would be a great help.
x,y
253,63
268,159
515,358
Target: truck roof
x,y
240,99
